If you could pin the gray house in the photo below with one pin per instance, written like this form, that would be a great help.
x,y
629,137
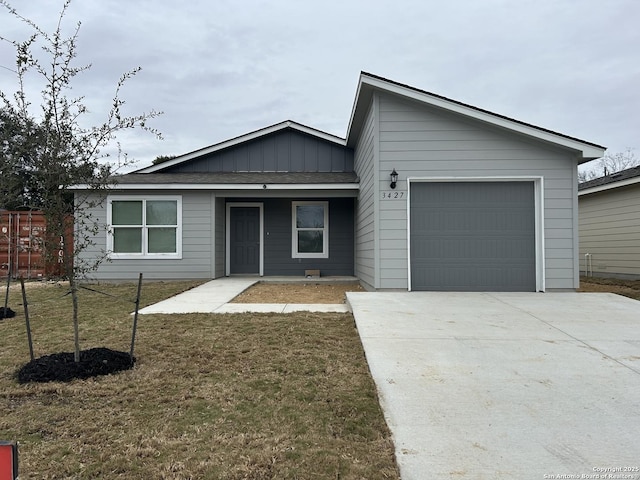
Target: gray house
x,y
609,219
480,201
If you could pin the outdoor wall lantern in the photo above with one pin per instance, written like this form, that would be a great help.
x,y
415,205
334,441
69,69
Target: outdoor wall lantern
x,y
394,178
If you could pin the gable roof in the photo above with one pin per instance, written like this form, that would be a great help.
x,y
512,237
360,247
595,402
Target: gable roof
x,y
370,84
623,178
287,124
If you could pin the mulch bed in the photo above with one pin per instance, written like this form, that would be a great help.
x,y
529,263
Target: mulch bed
x,y
61,367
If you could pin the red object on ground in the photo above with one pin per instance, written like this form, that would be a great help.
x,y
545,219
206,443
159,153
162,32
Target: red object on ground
x,y
8,461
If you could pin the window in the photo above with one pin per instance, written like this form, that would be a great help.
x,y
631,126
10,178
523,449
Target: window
x,y
310,230
145,227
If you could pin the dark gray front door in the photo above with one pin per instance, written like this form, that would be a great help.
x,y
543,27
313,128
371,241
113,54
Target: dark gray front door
x,y
473,236
244,240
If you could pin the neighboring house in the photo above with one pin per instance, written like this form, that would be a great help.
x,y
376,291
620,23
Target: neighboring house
x,y
481,202
609,209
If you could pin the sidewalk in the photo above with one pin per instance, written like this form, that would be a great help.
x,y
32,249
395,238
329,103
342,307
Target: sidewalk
x,y
214,297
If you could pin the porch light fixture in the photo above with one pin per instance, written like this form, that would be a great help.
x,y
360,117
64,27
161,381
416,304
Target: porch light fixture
x,y
394,178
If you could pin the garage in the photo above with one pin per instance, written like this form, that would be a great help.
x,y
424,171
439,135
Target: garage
x,y
473,236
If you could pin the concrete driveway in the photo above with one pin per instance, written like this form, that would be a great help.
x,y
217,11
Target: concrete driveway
x,y
506,385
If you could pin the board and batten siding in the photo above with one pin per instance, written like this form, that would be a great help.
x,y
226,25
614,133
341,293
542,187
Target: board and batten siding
x,y
286,151
196,262
365,231
610,231
422,141
278,224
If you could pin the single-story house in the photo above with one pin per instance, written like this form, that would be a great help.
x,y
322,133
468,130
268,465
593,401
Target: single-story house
x,y
609,220
423,193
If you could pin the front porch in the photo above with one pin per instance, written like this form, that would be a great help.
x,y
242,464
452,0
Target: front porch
x,y
286,236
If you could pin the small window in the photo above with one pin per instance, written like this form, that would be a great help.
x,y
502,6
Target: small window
x,y
310,228
144,227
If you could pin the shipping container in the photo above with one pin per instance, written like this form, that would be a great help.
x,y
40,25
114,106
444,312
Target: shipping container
x,y
22,242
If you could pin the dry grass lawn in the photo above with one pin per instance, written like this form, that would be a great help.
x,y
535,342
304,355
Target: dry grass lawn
x,y
307,292
211,396
628,288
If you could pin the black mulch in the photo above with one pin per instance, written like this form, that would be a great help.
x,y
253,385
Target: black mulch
x,y
60,367
6,313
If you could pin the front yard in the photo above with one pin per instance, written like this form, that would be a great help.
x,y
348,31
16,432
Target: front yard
x,y
247,396
627,288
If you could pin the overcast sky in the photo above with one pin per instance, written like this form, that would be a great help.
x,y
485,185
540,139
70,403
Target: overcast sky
x,y
222,68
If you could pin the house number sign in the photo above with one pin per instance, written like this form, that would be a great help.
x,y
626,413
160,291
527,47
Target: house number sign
x,y
393,195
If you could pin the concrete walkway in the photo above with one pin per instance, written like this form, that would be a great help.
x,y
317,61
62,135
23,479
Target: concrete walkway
x,y
506,385
214,297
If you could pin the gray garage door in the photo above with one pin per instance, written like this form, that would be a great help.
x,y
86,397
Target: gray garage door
x,y
473,236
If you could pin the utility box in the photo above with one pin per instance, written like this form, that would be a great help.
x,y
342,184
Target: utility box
x,y
312,273
8,460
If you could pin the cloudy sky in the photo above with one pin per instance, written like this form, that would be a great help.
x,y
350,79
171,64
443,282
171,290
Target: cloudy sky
x,y
222,68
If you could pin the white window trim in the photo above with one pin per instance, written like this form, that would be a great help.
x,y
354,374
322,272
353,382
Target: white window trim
x,y
144,255
294,231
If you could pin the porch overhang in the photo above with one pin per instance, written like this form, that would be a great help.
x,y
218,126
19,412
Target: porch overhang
x,y
226,186
238,182
250,191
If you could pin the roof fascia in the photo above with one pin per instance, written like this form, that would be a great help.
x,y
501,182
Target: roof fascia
x,y
609,186
358,112
369,84
227,186
244,138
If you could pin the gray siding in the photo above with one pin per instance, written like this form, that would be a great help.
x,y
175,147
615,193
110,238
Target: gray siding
x,y
284,151
203,241
610,231
366,235
420,141
196,259
278,237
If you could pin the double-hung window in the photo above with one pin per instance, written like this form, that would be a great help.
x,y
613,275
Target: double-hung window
x,y
310,228
145,227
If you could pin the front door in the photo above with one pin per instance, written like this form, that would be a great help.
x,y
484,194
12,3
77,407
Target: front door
x,y
244,240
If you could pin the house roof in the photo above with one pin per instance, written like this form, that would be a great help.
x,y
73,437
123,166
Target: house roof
x,y
370,83
238,178
237,181
626,177
288,124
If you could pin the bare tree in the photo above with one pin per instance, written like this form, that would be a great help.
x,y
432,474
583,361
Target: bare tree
x,y
610,163
68,153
